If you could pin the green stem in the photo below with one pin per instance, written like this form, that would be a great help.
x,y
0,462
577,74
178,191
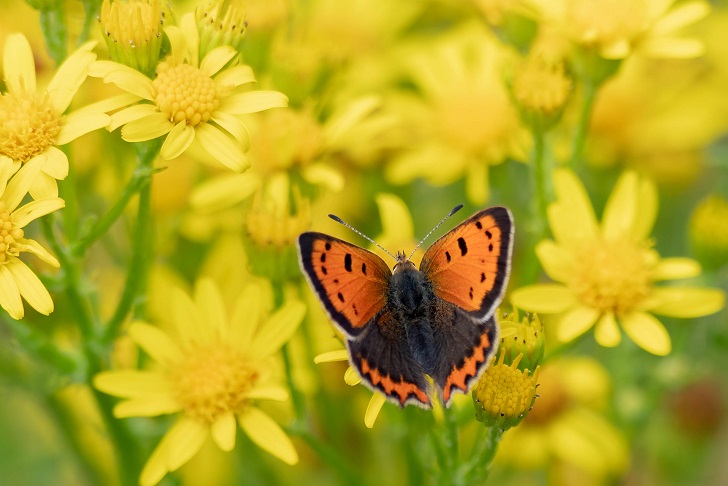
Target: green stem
x,y
543,192
141,177
582,129
485,455
138,267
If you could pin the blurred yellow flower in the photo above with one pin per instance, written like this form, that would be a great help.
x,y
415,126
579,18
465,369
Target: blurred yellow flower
x,y
212,372
615,28
465,120
189,100
709,231
567,424
607,273
33,121
16,279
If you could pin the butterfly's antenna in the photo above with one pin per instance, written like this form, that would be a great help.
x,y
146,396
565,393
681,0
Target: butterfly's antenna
x,y
454,210
339,220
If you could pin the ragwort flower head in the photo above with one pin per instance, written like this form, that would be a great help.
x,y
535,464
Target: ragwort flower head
x,y
607,273
189,99
16,279
32,120
211,372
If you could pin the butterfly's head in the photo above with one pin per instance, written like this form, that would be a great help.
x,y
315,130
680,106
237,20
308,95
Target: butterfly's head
x,y
403,263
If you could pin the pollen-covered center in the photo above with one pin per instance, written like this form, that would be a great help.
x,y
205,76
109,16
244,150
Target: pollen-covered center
x,y
506,391
9,234
213,381
185,93
613,275
28,125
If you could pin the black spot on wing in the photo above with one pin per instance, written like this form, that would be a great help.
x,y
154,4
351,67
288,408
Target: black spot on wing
x,y
364,268
323,257
490,247
341,297
327,246
447,255
488,234
478,225
482,277
347,262
323,269
463,247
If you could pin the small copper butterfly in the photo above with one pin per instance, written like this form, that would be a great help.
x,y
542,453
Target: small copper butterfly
x,y
403,324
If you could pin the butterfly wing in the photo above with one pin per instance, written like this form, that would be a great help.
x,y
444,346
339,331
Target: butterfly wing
x,y
470,265
464,350
351,282
383,359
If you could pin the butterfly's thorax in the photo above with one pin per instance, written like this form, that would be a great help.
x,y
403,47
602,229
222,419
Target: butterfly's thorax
x,y
410,299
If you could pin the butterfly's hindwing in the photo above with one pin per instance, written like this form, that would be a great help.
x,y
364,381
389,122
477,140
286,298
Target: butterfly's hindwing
x,y
465,349
470,265
383,359
351,282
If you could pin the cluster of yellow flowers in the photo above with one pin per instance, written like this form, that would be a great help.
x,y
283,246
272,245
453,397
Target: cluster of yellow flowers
x,y
232,127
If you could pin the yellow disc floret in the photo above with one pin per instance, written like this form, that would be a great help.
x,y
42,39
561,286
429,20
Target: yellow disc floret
x,y
9,234
28,126
185,93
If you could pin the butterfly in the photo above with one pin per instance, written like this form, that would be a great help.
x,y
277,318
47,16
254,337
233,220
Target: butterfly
x,y
404,325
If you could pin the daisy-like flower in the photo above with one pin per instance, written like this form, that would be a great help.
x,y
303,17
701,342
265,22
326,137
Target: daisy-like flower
x,y
212,371
189,100
615,28
464,121
33,124
16,279
607,273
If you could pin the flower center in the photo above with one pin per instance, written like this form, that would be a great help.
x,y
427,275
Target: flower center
x,y
541,86
613,275
28,126
604,22
9,234
185,93
213,381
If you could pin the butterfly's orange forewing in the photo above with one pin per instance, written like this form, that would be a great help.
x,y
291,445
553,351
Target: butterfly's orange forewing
x,y
350,281
469,266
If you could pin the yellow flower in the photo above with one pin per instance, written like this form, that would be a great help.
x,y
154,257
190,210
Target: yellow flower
x,y
614,28
567,424
16,279
221,23
211,372
709,231
133,32
33,121
464,121
607,273
189,100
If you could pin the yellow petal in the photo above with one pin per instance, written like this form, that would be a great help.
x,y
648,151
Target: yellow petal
x,y
146,128
108,105
375,406
274,393
576,322
18,65
340,124
684,302
8,168
157,464
253,102
178,44
647,205
351,376
212,310
682,15
43,187
234,126
397,226
69,77
672,48
179,139
188,26
155,342
185,316
246,317
607,332
675,268
571,217
56,163
557,262
476,183
277,329
147,406
224,191
222,147
10,295
188,437
621,210
75,125
332,356
133,384
216,59
32,246
30,287
223,431
321,174
543,298
647,332
130,114
36,209
20,184
268,435
235,76
124,77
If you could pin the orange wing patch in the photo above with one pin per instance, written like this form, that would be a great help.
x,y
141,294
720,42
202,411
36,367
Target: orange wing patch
x,y
400,388
461,377
469,266
350,281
